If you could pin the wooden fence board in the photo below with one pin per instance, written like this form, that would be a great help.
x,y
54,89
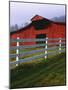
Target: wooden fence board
x,y
34,57
33,46
33,40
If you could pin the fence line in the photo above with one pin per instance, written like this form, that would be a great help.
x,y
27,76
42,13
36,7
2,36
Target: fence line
x,y
32,52
33,46
60,43
34,40
34,57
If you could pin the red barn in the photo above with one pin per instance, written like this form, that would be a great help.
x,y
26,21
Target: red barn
x,y
41,27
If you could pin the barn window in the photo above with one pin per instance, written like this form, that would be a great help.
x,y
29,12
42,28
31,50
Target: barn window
x,y
40,24
40,36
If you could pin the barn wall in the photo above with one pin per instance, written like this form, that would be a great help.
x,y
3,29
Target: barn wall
x,y
13,36
53,31
27,34
56,31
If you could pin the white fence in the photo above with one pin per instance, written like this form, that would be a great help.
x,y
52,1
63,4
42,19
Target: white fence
x,y
58,47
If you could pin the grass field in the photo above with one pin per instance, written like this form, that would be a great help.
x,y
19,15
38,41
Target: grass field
x,y
50,72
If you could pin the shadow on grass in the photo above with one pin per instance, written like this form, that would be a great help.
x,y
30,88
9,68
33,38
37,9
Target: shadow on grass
x,y
49,72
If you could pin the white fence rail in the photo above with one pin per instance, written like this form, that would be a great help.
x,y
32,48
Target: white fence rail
x,y
33,40
56,49
33,46
34,57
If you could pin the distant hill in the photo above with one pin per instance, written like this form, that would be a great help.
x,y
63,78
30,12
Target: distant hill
x,y
59,19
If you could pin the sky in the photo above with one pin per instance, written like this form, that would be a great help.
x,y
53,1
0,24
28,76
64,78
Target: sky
x,y
20,12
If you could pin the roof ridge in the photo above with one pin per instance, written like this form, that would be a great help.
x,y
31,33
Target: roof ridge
x,y
36,17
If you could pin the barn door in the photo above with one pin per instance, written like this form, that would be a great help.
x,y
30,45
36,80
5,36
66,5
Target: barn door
x,y
40,36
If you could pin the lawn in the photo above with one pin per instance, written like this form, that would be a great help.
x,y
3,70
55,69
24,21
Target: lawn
x,y
49,72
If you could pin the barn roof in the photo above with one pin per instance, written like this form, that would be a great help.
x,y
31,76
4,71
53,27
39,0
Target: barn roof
x,y
36,18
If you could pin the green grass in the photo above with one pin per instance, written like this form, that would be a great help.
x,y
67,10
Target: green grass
x,y
48,72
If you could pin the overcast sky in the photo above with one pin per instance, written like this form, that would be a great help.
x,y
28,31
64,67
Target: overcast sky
x,y
21,13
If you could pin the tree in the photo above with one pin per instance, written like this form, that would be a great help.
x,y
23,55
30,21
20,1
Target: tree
x,y
13,28
16,27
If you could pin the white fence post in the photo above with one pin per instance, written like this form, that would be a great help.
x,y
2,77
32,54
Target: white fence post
x,y
17,51
46,47
59,45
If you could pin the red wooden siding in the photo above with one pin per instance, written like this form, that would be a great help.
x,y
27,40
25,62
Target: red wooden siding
x,y
55,30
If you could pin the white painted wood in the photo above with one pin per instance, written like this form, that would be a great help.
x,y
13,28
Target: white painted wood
x,y
33,46
17,51
18,47
46,48
59,45
34,57
33,40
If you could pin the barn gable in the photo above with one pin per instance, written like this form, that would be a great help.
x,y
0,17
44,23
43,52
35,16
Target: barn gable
x,y
38,17
41,24
38,22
